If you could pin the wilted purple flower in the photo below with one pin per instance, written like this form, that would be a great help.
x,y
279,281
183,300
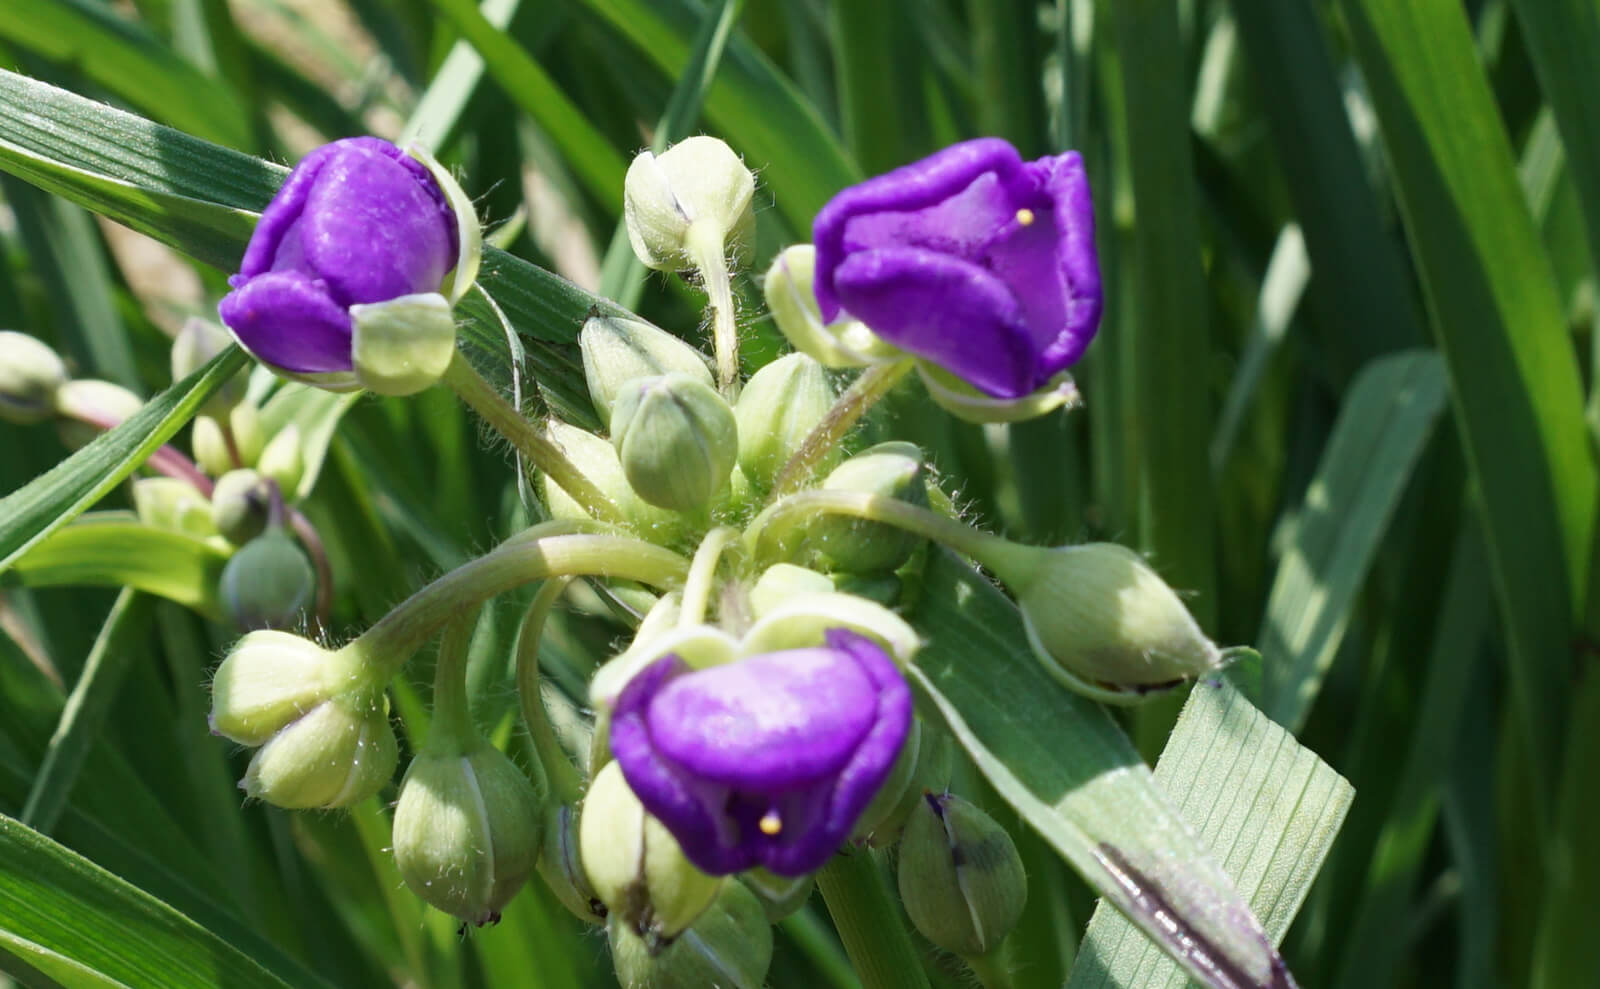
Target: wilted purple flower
x,y
972,259
765,761
357,221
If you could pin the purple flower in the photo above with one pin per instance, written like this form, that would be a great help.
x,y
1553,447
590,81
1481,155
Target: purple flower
x,y
357,221
765,761
972,259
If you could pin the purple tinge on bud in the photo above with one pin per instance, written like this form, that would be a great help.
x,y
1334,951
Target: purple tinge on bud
x,y
766,761
972,259
357,221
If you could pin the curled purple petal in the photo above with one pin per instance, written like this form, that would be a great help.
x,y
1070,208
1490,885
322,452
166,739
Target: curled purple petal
x,y
767,761
287,320
1028,227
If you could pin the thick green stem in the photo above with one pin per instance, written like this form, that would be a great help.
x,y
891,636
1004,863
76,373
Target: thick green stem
x,y
869,924
565,783
992,969
863,393
544,454
703,575
551,549
704,243
765,535
452,731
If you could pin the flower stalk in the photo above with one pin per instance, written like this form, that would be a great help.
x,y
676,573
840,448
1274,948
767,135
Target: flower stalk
x,y
766,534
565,784
866,391
704,244
869,923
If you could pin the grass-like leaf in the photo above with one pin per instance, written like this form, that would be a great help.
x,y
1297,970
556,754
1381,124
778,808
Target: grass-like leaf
x,y
115,549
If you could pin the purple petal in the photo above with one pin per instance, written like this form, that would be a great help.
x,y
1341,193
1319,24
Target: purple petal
x,y
287,320
949,311
1063,180
283,213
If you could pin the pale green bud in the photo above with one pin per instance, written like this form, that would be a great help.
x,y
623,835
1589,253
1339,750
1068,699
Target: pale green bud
x,y
894,470
196,344
961,878
30,375
676,439
240,506
267,583
173,503
339,753
802,621
91,406
210,446
248,439
698,183
777,410
793,303
617,349
283,461
403,345
597,459
268,681
467,831
782,581
1101,618
636,866
729,947
561,866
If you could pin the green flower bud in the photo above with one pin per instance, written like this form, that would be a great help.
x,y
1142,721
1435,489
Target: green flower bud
x,y
267,583
561,867
339,753
894,470
245,423
403,345
30,375
793,304
268,681
283,461
240,505
960,876
196,344
782,581
729,947
780,896
636,866
676,439
210,446
617,350
777,410
1099,618
91,406
173,503
467,831
598,461
697,183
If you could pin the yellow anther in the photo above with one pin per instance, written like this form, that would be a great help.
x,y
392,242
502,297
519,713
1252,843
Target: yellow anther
x,y
1024,217
771,823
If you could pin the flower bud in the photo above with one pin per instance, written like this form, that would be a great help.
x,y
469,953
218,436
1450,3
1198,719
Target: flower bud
x,y
339,753
267,583
618,349
240,505
803,620
30,375
782,581
698,183
729,947
210,446
267,682
636,866
467,831
777,410
173,503
893,470
843,343
213,450
561,867
197,343
244,422
283,461
676,439
402,345
961,878
87,401
1101,618
598,461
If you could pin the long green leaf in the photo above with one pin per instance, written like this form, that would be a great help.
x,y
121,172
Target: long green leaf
x,y
53,499
1267,806
73,920
1513,375
1387,418
115,549
1074,777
